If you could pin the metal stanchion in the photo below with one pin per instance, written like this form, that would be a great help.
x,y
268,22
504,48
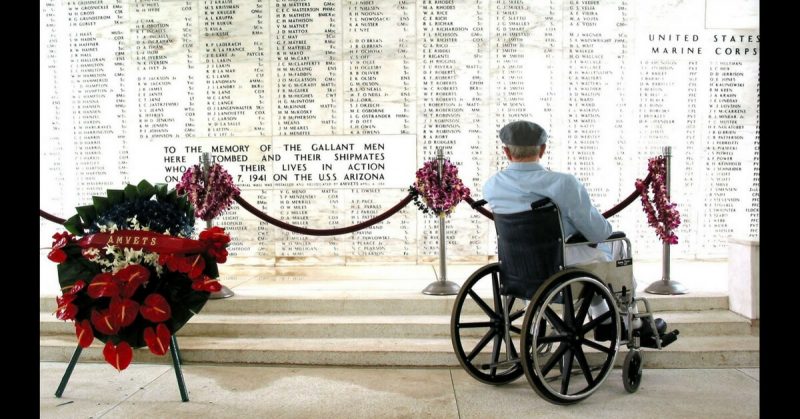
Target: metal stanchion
x,y
666,286
441,286
224,292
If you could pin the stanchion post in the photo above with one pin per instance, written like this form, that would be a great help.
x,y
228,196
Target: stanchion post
x,y
224,292
441,286
666,286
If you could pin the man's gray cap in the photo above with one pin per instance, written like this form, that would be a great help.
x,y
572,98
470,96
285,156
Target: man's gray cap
x,y
523,133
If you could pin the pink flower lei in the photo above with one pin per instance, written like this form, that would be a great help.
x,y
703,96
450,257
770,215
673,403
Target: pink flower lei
x,y
210,199
440,197
664,218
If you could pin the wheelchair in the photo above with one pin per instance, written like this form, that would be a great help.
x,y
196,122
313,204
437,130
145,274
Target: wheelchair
x,y
528,313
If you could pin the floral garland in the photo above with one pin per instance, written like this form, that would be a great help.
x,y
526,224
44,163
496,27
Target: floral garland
x,y
440,196
211,197
665,218
129,273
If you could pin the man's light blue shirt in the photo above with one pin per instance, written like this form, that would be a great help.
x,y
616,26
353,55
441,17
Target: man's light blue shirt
x,y
518,185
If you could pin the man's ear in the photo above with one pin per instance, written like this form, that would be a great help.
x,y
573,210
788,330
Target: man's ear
x,y
541,150
507,152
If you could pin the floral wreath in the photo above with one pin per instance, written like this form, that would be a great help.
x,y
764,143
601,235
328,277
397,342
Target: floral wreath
x,y
130,275
664,217
440,196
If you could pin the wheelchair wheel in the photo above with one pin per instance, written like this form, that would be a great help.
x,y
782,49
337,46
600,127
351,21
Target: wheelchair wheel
x,y
632,370
477,328
576,362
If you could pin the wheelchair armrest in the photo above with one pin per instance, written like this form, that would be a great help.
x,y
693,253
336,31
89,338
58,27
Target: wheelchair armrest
x,y
579,238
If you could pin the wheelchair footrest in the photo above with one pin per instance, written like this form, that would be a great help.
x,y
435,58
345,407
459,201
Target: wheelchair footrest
x,y
666,339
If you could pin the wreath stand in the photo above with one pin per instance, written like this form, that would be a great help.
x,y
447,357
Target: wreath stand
x,y
176,363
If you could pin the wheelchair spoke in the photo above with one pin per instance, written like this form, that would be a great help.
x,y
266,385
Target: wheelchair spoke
x,y
566,371
511,302
554,358
516,315
597,346
474,324
550,339
479,301
586,295
515,329
592,324
479,347
569,308
587,371
555,320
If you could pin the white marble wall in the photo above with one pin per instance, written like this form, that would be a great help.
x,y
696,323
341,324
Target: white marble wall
x,y
322,110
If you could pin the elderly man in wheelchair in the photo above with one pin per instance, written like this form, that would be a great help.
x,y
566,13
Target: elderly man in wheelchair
x,y
556,306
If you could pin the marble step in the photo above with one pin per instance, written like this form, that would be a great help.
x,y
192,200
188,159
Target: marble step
x,y
690,323
354,304
686,352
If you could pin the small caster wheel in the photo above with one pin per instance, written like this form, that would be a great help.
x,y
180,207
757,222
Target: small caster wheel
x,y
632,370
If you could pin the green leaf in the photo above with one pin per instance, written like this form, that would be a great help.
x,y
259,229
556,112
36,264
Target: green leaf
x,y
146,190
161,190
100,204
87,213
211,266
115,196
131,193
172,196
73,225
183,203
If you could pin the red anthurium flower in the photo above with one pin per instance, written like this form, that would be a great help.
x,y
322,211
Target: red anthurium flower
x,y
57,255
221,255
217,240
205,283
216,234
61,239
131,277
119,356
163,258
158,340
124,311
104,322
66,310
77,286
103,285
155,308
174,263
193,265
84,332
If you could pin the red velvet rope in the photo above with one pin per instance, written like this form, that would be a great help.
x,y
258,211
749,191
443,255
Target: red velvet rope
x,y
608,214
323,232
50,217
372,221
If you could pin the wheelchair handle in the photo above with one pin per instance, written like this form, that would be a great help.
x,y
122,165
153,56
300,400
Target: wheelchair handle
x,y
540,203
478,203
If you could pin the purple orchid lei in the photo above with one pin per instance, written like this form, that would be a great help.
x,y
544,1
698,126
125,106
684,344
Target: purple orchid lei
x,y
664,217
211,199
440,197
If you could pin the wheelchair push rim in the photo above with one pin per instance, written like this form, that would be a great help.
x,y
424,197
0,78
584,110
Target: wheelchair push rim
x,y
562,303
477,328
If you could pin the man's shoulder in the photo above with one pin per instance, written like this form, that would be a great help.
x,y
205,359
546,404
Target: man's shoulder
x,y
562,176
